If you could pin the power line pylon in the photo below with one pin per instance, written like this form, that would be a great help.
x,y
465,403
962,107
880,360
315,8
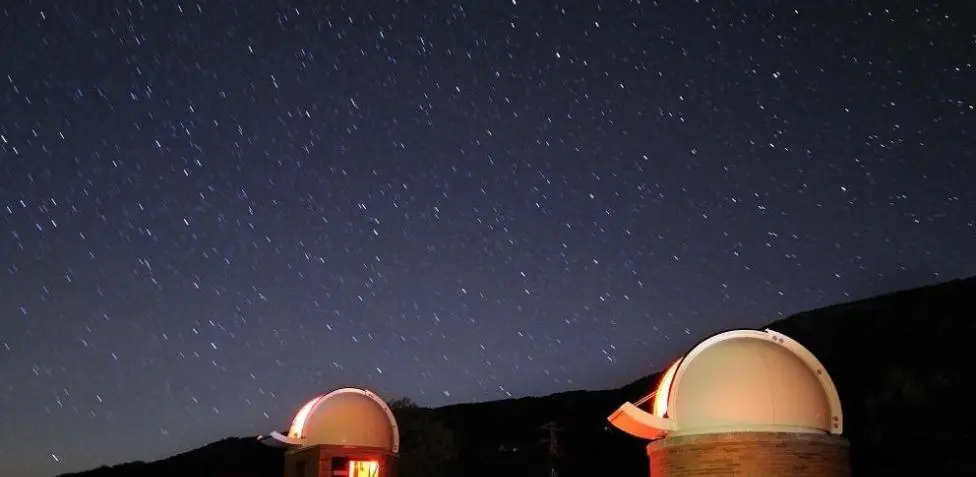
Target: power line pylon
x,y
553,440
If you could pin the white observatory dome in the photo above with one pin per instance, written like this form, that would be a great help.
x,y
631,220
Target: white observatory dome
x,y
344,417
748,382
741,380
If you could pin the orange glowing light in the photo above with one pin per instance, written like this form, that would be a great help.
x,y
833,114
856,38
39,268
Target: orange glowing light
x,y
660,405
364,468
298,424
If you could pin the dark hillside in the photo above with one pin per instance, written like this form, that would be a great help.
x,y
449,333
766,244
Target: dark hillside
x,y
899,362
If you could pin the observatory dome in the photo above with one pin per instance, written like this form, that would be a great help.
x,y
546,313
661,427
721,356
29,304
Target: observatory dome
x,y
751,381
345,417
740,380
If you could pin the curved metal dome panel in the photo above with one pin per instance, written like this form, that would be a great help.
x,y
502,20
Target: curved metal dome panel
x,y
753,380
349,417
740,380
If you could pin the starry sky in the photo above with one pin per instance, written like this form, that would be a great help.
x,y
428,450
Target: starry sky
x,y
212,211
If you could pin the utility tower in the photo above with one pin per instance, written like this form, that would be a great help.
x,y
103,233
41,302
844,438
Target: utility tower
x,y
553,440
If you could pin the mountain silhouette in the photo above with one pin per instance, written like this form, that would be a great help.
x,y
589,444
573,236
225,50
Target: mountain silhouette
x,y
899,362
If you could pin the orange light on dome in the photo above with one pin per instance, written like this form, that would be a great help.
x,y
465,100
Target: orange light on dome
x,y
364,468
660,405
298,424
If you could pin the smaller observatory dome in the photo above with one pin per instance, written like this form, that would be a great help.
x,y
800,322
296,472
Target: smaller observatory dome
x,y
344,417
741,380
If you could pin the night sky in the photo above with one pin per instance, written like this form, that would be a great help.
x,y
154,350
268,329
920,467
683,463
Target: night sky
x,y
212,212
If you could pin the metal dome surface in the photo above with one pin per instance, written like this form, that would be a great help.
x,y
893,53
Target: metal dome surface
x,y
751,380
740,380
344,417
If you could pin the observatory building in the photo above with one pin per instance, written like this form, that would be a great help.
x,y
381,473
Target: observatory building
x,y
348,432
744,403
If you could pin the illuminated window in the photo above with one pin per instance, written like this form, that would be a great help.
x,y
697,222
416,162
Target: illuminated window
x,y
364,468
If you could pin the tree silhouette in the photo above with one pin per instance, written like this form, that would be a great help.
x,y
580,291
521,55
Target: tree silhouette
x,y
427,447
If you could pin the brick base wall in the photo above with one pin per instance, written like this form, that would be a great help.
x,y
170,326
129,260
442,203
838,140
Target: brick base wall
x,y
750,454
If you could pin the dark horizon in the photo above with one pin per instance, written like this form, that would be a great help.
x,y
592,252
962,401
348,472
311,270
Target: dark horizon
x,y
865,382
211,212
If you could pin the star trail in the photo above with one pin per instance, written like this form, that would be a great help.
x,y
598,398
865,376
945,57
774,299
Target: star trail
x,y
211,211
